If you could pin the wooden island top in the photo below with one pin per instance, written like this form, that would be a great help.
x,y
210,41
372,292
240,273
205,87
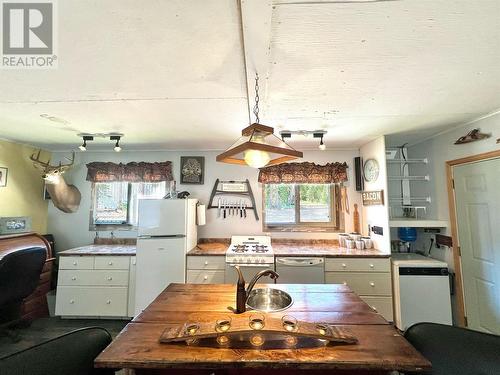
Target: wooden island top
x,y
380,349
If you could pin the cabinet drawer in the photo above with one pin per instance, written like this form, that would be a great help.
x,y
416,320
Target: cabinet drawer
x,y
91,301
206,263
76,263
112,263
205,277
362,283
382,305
93,277
358,265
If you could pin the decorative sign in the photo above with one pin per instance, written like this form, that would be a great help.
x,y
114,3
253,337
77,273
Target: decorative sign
x,y
373,198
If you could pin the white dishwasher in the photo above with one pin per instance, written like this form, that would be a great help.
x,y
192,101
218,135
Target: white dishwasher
x,y
421,290
300,270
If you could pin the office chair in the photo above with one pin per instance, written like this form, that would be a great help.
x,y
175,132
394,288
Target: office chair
x,y
455,350
19,276
69,354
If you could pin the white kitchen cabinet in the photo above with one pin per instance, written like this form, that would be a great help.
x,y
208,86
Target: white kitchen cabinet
x,y
358,265
370,278
95,286
91,301
205,277
205,269
206,262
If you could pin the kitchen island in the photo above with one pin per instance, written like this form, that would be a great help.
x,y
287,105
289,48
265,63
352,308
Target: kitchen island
x,y
380,347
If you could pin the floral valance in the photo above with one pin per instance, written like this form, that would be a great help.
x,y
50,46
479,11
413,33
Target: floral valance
x,y
131,172
304,173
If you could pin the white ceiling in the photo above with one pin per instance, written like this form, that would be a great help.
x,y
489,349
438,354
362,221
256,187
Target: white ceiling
x,y
171,74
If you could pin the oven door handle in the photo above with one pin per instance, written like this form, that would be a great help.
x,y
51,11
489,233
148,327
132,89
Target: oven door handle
x,y
260,265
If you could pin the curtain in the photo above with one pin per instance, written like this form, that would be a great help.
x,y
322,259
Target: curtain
x,y
131,172
304,173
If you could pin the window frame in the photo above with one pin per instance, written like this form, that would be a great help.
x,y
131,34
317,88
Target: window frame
x,y
335,225
112,227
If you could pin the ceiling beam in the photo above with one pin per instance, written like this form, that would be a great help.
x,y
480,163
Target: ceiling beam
x,y
256,18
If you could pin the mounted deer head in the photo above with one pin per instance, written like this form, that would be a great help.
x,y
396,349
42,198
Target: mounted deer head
x,y
65,197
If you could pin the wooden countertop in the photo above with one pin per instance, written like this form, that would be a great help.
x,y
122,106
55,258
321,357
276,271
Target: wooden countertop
x,y
294,249
92,250
380,346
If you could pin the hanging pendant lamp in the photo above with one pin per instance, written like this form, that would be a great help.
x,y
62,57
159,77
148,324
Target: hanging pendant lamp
x,y
258,146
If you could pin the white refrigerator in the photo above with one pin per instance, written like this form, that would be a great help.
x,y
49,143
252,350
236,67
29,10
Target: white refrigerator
x,y
167,231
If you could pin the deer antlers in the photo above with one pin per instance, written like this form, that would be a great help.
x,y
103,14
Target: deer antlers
x,y
46,165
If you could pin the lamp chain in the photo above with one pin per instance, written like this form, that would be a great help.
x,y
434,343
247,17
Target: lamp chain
x,y
256,106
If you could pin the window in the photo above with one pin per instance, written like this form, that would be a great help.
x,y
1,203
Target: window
x,y
115,204
301,207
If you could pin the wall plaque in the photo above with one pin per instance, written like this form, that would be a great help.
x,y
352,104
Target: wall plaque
x,y
373,198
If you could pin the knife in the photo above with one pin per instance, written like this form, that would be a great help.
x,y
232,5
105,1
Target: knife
x,y
224,209
241,208
219,203
245,210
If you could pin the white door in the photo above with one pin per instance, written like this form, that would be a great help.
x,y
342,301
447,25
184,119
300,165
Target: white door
x,y
159,263
477,201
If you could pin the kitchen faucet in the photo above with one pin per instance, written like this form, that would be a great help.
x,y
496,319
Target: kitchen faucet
x,y
242,294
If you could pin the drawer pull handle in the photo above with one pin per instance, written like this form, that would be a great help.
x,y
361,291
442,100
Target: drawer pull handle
x,y
344,282
74,263
374,308
372,283
110,263
372,265
206,263
344,265
72,301
73,278
110,278
205,278
108,302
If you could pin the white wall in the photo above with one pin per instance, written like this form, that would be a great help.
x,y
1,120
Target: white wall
x,y
441,149
71,230
377,215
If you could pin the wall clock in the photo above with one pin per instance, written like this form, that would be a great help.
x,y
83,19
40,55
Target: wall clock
x,y
371,170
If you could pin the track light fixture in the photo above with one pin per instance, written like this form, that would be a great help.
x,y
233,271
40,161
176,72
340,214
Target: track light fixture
x,y
117,144
92,136
320,136
86,138
316,134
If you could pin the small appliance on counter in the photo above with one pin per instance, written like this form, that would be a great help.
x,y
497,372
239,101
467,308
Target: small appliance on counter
x,y
167,231
421,290
252,254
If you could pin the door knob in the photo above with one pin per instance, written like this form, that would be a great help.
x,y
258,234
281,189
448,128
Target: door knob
x,y
72,301
344,265
110,278
205,278
372,283
73,278
371,265
110,263
108,302
206,263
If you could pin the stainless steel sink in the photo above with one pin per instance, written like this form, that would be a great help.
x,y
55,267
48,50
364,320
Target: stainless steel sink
x,y
269,300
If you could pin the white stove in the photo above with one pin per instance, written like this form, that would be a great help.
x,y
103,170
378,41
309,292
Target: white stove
x,y
250,250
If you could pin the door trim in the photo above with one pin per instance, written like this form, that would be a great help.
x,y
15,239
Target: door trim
x,y
450,164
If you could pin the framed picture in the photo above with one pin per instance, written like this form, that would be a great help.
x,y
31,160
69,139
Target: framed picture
x,y
192,169
3,176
